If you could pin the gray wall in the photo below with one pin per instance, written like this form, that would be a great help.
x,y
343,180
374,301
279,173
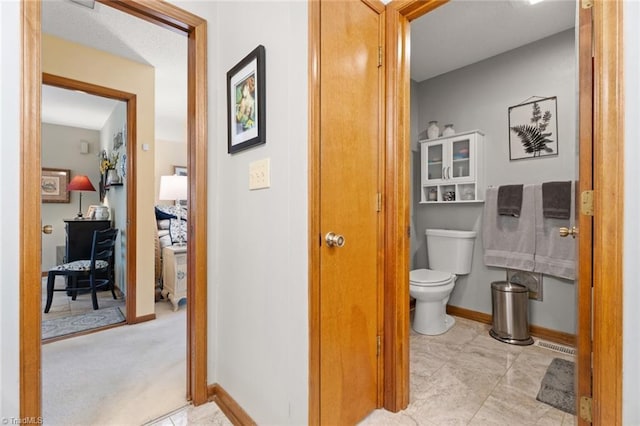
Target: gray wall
x,y
116,196
478,97
61,150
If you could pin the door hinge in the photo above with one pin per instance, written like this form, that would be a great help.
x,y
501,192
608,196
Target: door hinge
x,y
378,345
586,408
586,203
587,4
379,202
379,56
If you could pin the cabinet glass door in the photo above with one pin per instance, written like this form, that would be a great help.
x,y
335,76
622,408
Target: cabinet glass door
x,y
460,162
434,162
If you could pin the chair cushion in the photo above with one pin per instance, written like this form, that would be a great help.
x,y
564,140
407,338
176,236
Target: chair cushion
x,y
80,265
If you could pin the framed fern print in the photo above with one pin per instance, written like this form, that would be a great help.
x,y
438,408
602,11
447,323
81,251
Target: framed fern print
x,y
533,129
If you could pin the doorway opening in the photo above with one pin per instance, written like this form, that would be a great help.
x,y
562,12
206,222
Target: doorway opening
x,y
466,90
30,354
78,143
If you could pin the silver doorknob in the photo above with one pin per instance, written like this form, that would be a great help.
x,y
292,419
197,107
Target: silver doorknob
x,y
47,229
573,231
334,240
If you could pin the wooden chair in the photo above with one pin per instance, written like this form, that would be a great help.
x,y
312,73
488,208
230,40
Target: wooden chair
x,y
94,273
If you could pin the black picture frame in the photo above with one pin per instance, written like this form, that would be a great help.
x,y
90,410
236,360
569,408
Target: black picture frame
x,y
246,102
533,129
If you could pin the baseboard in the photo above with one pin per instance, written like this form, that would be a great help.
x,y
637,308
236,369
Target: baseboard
x,y
469,314
229,406
537,331
143,318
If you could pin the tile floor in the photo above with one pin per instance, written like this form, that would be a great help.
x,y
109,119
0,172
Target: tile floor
x,y
63,306
463,377
208,414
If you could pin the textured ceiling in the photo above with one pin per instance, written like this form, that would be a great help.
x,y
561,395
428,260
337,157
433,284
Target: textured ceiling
x,y
110,30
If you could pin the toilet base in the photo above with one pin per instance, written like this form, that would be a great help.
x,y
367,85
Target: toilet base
x,y
431,319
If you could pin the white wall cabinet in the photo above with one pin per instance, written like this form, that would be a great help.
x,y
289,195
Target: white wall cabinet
x,y
452,168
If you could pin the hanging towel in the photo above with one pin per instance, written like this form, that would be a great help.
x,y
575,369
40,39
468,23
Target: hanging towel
x,y
555,255
510,200
509,242
556,199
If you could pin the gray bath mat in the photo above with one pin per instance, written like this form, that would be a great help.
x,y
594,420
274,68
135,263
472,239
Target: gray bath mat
x,y
86,321
557,386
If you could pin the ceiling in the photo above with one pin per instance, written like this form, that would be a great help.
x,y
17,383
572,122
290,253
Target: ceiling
x,y
110,30
457,34
463,32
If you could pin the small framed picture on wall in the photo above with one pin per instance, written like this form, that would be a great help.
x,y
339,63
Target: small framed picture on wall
x,y
246,102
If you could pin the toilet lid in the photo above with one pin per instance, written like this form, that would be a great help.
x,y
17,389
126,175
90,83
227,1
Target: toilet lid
x,y
425,277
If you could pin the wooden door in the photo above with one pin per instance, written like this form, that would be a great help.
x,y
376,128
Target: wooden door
x,y
584,221
350,134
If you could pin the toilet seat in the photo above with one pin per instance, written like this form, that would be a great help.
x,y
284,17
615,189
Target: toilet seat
x,y
429,278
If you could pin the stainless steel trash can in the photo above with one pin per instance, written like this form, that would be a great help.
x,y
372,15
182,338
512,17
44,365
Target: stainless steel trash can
x,y
510,309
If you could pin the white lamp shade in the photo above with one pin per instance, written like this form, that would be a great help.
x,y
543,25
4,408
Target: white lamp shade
x,y
173,188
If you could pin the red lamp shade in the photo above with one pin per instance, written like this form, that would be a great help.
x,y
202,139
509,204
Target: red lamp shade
x,y
80,183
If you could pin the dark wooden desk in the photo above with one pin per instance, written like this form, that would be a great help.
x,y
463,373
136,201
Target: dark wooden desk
x,y
80,238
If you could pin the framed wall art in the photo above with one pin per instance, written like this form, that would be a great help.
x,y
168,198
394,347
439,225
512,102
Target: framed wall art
x,y
53,185
180,170
533,129
246,102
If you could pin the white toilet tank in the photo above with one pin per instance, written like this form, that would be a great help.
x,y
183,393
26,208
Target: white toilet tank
x,y
450,250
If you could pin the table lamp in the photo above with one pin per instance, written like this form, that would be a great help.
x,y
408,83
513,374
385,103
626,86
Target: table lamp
x,y
80,183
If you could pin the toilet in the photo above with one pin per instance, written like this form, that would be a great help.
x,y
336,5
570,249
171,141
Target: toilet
x,y
450,253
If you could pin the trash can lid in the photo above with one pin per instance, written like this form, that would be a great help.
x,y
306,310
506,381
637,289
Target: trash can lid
x,y
508,287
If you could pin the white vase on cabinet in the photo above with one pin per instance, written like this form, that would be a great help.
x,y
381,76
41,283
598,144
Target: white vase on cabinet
x,y
433,131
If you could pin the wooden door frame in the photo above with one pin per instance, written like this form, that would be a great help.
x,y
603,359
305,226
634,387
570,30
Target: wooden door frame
x,y
167,16
608,227
584,282
132,213
608,220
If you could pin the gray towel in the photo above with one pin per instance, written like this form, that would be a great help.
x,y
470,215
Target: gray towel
x,y
556,199
509,242
555,255
510,200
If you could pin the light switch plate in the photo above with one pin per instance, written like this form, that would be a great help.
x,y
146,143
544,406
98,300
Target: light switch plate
x,y
259,174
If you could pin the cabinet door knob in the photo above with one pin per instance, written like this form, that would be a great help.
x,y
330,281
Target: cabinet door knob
x,y
564,232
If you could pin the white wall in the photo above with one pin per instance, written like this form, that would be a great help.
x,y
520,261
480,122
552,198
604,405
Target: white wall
x,y
258,242
631,295
478,97
9,218
168,155
61,150
260,268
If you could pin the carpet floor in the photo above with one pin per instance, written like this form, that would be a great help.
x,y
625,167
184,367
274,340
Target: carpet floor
x,y
557,386
125,375
62,326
